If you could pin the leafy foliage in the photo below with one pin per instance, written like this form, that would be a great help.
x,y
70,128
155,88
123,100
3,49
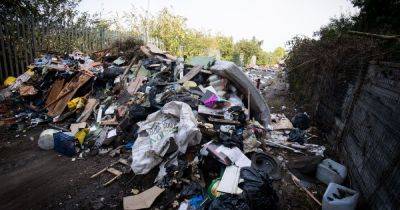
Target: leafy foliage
x,y
177,38
45,11
51,25
378,16
324,67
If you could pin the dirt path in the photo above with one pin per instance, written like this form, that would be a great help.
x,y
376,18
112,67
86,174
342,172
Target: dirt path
x,y
31,178
276,92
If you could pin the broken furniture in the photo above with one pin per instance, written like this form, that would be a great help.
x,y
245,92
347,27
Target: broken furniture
x,y
112,170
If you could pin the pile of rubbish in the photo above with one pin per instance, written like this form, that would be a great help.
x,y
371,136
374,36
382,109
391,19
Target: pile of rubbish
x,y
309,168
200,124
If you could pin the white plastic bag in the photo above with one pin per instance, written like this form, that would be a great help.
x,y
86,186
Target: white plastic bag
x,y
46,140
174,122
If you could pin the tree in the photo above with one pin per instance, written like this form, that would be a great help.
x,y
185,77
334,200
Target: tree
x,y
44,11
226,47
279,53
170,29
181,40
378,16
249,48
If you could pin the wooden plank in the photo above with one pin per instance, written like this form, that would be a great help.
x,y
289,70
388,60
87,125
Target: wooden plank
x,y
223,121
123,161
129,67
111,180
134,86
90,105
297,183
54,91
100,172
192,73
68,92
206,71
114,171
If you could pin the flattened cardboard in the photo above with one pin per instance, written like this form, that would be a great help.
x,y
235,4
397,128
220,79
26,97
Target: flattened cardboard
x,y
143,200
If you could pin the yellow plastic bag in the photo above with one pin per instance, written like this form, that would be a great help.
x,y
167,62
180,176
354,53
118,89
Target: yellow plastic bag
x,y
76,103
189,84
9,81
81,135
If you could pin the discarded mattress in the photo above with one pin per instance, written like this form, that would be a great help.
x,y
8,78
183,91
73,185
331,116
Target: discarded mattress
x,y
235,74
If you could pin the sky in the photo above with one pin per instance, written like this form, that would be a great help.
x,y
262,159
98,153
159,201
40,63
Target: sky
x,y
274,21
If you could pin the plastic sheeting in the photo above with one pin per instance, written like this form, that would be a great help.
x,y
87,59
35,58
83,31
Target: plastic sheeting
x,y
174,124
235,74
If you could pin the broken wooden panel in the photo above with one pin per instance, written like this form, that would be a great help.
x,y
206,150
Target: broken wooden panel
x,y
146,51
134,86
68,92
223,121
90,105
371,136
54,91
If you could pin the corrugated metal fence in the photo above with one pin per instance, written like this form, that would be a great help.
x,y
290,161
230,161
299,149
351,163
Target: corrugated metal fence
x,y
22,40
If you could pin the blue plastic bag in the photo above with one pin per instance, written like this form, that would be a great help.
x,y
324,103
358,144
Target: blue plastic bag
x,y
196,201
64,143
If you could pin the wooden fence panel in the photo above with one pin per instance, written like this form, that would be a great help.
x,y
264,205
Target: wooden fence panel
x,y
371,139
21,40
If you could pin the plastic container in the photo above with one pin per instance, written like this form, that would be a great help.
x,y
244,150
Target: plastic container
x,y
331,171
338,197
